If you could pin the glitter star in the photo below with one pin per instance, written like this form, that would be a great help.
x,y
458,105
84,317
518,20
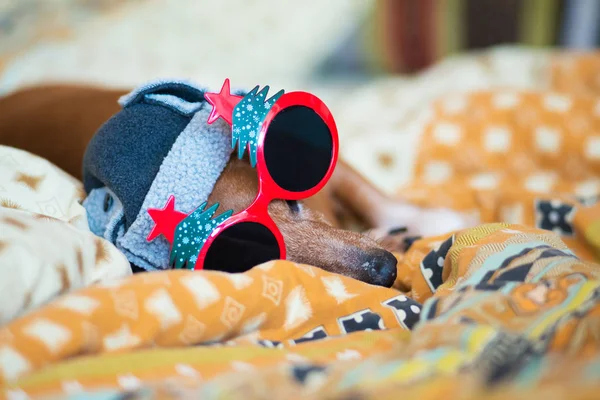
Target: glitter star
x,y
223,103
165,220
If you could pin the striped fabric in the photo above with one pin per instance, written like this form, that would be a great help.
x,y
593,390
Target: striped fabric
x,y
405,36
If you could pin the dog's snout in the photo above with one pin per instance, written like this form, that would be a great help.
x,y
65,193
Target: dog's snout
x,y
380,266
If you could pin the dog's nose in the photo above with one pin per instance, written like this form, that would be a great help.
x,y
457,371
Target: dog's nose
x,y
381,267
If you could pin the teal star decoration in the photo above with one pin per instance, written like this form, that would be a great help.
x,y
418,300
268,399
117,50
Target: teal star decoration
x,y
191,234
248,116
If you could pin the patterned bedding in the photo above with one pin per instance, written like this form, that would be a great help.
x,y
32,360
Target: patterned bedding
x,y
506,309
511,307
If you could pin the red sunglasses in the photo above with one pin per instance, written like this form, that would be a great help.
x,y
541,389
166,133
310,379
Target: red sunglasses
x,y
293,141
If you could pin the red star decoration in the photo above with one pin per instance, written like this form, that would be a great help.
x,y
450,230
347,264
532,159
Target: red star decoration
x,y
223,103
165,220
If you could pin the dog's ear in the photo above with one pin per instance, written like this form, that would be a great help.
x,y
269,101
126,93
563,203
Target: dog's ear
x,y
127,151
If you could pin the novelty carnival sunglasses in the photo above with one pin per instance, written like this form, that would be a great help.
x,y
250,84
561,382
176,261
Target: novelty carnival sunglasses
x,y
292,141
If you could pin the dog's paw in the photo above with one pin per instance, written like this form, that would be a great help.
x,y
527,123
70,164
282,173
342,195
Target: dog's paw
x,y
396,240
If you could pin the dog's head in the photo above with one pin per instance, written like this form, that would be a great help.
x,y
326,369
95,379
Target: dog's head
x,y
160,145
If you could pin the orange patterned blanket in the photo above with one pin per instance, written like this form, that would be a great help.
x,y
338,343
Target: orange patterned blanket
x,y
511,306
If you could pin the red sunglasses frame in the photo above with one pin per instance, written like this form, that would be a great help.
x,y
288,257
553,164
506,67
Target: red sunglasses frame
x,y
268,190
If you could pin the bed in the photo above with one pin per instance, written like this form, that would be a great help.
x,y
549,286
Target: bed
x,y
506,308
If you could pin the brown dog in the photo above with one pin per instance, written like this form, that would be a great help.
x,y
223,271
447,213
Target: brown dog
x,y
57,122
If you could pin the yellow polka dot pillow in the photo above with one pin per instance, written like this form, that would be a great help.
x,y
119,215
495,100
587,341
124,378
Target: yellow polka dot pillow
x,y
507,143
520,156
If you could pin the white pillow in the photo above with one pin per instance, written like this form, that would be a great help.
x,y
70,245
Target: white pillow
x,y
46,248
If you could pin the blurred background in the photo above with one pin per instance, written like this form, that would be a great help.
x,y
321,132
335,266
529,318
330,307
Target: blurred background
x,y
376,63
120,42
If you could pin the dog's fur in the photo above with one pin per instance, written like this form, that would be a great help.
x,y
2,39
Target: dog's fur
x,y
56,122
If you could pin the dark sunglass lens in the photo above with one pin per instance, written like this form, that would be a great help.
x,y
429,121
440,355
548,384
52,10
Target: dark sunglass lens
x,y
241,247
298,148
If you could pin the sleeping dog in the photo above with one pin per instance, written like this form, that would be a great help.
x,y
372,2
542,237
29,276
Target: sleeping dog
x,y
57,123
